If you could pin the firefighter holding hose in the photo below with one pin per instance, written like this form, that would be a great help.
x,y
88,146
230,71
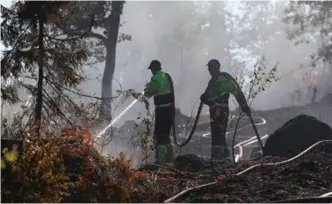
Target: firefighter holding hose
x,y
161,88
216,96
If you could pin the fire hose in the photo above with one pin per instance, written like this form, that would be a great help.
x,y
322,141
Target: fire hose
x,y
103,132
195,125
241,98
192,130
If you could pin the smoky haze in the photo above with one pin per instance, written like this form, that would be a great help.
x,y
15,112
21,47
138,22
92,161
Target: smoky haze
x,y
185,35
175,33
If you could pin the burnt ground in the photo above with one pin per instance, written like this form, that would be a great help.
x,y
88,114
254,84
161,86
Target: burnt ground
x,y
305,178
309,176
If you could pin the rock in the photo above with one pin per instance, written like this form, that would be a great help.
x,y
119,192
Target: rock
x,y
296,135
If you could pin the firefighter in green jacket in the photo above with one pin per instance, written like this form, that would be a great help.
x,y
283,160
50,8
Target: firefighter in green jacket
x,y
216,96
161,88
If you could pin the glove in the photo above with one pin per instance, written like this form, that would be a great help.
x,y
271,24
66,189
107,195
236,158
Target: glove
x,y
204,100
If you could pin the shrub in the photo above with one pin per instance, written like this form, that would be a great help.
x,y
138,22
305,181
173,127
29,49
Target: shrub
x,y
66,168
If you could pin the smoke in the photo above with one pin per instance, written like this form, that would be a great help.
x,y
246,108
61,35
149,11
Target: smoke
x,y
166,31
184,35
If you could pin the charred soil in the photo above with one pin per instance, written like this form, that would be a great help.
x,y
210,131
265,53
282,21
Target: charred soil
x,y
309,176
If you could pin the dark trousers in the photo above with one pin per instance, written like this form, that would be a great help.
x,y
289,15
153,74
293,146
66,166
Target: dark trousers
x,y
219,120
163,124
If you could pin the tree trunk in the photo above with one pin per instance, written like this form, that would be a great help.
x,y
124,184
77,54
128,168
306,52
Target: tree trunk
x,y
39,101
111,42
106,89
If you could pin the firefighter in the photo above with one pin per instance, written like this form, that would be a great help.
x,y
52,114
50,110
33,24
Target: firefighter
x,y
216,96
161,88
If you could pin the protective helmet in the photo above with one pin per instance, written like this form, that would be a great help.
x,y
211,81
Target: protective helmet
x,y
155,64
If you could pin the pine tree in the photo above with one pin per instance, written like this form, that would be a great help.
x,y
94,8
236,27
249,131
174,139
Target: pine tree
x,y
311,23
38,50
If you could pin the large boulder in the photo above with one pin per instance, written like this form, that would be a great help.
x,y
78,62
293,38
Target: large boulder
x,y
296,135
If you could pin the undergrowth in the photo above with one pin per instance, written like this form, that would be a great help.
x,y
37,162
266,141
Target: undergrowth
x,y
66,168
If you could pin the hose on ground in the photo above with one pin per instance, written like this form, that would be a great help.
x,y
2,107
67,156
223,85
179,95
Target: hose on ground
x,y
255,130
288,160
250,168
329,194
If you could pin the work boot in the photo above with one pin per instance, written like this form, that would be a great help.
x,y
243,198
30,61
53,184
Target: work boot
x,y
161,153
219,152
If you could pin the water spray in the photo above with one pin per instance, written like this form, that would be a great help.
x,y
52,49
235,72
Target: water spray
x,y
101,133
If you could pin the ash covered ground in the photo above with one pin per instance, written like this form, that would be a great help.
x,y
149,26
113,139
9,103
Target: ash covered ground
x,y
307,176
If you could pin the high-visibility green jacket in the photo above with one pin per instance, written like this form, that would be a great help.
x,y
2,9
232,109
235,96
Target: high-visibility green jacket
x,y
219,88
161,88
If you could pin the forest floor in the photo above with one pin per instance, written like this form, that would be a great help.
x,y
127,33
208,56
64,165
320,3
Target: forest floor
x,y
308,176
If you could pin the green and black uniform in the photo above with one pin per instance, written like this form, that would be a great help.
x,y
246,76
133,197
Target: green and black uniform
x,y
161,88
216,96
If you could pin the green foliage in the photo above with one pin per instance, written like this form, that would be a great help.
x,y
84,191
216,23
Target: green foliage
x,y
8,156
57,56
66,168
310,22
